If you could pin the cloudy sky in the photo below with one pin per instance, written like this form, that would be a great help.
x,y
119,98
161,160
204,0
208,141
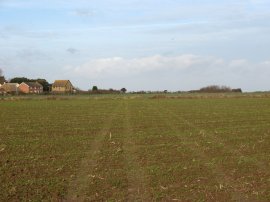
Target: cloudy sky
x,y
138,44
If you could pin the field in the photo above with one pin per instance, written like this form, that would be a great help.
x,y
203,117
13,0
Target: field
x,y
135,149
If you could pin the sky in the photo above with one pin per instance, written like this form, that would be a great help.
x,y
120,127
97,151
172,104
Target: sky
x,y
138,44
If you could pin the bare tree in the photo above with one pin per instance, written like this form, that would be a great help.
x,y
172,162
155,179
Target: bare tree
x,y
1,72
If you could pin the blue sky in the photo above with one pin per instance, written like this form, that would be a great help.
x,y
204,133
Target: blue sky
x,y
150,44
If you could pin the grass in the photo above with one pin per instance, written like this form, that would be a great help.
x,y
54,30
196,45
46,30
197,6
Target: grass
x,y
135,148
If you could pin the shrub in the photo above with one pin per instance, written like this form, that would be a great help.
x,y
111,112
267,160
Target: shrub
x,y
95,88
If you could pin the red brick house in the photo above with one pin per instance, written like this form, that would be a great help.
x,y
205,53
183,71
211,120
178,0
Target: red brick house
x,y
31,87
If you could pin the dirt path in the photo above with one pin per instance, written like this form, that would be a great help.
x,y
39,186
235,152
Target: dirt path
x,y
138,183
78,187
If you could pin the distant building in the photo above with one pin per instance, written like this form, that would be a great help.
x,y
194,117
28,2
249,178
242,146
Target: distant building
x,y
62,86
31,87
2,91
2,80
12,88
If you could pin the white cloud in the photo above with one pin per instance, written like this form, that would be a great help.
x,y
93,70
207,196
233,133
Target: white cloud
x,y
182,72
118,66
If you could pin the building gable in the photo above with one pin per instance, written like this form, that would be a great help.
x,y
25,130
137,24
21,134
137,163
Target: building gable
x,y
62,86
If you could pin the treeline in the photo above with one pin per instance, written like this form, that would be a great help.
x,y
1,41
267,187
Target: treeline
x,y
217,89
207,89
96,90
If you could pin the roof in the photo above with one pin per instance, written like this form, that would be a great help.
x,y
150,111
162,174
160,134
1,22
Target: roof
x,y
33,84
60,83
2,80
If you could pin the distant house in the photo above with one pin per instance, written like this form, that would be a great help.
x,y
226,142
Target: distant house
x,y
62,86
12,88
31,87
2,80
2,91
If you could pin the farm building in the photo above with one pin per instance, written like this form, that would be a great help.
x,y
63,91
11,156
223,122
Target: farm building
x,y
62,86
31,87
12,88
